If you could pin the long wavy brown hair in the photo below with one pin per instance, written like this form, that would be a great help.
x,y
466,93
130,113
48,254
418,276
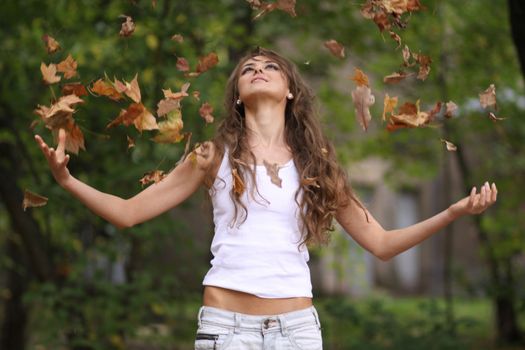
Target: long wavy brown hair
x,y
324,184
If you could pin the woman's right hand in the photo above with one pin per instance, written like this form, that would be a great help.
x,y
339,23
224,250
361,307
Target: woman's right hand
x,y
57,159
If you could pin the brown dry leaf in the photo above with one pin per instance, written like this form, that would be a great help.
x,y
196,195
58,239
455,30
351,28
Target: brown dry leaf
x,y
60,113
386,13
107,89
287,6
170,129
49,73
52,45
396,38
406,57
493,117
360,78
68,67
171,100
178,38
238,184
335,48
396,77
132,90
207,62
488,97
390,104
152,176
131,141
137,115
128,27
205,112
74,137
196,95
74,88
410,116
451,108
450,146
324,151
272,170
33,200
182,64
363,99
424,62
310,181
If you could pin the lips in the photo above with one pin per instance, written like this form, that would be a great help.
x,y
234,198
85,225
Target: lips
x,y
258,78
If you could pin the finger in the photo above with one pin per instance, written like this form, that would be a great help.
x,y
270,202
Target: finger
x,y
483,196
472,197
61,141
65,161
494,192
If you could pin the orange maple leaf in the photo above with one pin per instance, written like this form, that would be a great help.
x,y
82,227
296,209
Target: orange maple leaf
x,y
49,73
68,67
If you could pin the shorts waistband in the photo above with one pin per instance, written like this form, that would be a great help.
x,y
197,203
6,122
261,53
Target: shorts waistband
x,y
238,321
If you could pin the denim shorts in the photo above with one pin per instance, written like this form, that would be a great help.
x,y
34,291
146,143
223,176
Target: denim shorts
x,y
220,329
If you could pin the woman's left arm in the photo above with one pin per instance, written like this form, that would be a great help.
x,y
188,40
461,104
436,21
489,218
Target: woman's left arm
x,y
387,244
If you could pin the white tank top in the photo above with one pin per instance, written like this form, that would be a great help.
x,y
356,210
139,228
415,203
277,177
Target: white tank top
x,y
261,255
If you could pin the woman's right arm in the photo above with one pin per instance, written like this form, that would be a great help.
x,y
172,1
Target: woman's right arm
x,y
177,186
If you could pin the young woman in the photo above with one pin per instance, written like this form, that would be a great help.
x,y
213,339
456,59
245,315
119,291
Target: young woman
x,y
276,187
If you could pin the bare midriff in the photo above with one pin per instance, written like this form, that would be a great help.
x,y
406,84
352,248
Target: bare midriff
x,y
250,304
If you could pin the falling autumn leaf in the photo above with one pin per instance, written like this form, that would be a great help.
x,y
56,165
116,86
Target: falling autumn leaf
x,y
363,99
493,117
396,77
410,116
74,88
171,100
450,146
68,67
390,104
396,38
287,6
205,112
424,62
272,170
387,13
238,184
128,27
182,64
488,97
451,108
52,45
132,90
360,78
137,115
49,73
32,200
131,141
207,62
310,181
152,176
60,113
170,129
406,57
196,95
107,89
178,38
335,48
74,137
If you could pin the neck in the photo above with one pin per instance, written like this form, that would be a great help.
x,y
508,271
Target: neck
x,y
266,125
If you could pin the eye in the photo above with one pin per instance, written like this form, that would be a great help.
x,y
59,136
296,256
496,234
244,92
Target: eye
x,y
272,66
246,70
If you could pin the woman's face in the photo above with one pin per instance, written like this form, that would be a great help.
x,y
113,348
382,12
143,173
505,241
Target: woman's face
x,y
261,77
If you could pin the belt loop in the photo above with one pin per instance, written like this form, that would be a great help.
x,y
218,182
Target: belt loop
x,y
199,316
282,323
316,315
237,326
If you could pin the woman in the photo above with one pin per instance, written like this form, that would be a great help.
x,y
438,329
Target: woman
x,y
275,187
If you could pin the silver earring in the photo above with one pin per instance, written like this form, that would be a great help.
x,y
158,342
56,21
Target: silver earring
x,y
289,96
238,102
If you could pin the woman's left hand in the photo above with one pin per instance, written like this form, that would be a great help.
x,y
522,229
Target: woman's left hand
x,y
476,203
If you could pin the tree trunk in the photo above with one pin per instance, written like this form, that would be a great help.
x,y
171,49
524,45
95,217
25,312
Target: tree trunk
x,y
517,25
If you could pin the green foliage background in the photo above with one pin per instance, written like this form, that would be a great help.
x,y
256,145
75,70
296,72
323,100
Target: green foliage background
x,y
81,307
